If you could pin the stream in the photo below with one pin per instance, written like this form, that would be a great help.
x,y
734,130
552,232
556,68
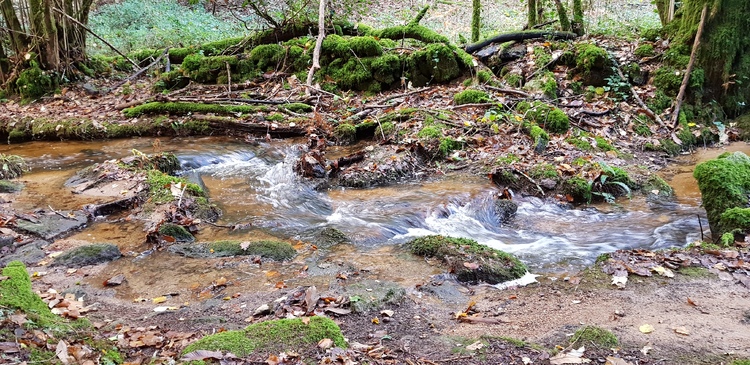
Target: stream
x,y
255,185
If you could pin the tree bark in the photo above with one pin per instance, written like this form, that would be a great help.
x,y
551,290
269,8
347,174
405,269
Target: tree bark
x,y
18,37
532,14
691,63
562,13
577,25
519,36
475,20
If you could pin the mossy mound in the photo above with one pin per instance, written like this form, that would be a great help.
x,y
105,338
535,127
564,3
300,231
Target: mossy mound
x,y
724,184
16,293
176,231
267,249
578,189
471,96
165,162
596,336
272,337
736,221
371,295
11,166
88,255
593,64
551,118
644,50
657,187
33,83
470,261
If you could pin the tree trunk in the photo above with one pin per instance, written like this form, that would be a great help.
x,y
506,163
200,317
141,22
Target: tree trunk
x,y
475,20
577,26
532,14
722,55
18,39
562,13
43,27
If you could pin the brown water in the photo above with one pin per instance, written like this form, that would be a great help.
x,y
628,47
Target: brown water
x,y
255,184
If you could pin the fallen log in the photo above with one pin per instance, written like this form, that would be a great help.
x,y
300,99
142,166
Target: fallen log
x,y
519,36
261,129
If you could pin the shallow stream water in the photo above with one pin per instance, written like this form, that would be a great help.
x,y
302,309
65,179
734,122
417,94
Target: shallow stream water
x,y
255,184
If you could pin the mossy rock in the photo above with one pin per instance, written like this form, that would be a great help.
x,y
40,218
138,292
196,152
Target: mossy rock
x,y
644,50
553,119
33,83
655,186
372,295
165,162
413,31
471,96
16,293
736,221
345,133
11,166
594,336
592,62
436,63
176,231
10,186
743,124
492,266
578,188
272,337
668,80
88,255
267,249
724,183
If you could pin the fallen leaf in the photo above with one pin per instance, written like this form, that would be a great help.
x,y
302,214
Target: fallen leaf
x,y
646,328
199,355
646,349
619,281
244,245
340,311
691,302
572,357
616,361
376,320
471,265
159,300
681,331
280,285
325,343
475,346
18,319
62,352
387,312
663,271
221,281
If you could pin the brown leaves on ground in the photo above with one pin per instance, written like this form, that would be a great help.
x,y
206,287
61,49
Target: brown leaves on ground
x,y
306,301
65,305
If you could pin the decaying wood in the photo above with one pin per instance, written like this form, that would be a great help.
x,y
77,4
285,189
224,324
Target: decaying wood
x,y
116,206
318,44
686,78
139,72
519,36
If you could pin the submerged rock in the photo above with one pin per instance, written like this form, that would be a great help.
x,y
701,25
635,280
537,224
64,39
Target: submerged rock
x,y
7,186
30,253
505,210
52,225
370,295
88,255
272,250
176,231
468,260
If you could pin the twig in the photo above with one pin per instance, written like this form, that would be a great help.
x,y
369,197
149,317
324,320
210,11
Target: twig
x,y
508,91
686,78
396,96
229,79
318,44
595,113
700,224
95,35
60,214
637,98
133,76
477,105
182,193
531,180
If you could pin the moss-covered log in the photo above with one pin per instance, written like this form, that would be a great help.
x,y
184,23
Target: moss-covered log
x,y
189,108
519,36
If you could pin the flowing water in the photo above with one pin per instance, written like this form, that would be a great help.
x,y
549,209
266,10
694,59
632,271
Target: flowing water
x,y
255,185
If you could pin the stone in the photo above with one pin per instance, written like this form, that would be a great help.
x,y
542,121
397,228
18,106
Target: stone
x,y
51,225
88,255
505,210
115,280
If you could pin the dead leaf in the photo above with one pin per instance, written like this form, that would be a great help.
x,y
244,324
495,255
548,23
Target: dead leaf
x,y
475,346
681,331
619,281
18,319
340,311
325,343
572,357
691,302
244,245
375,320
387,312
646,349
62,352
158,300
646,328
663,271
471,265
221,281
199,355
616,361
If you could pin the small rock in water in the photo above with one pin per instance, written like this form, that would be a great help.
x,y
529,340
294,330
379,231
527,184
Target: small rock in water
x,y
115,281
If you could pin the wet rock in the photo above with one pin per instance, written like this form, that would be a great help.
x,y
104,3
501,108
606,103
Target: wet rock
x,y
6,240
549,184
176,231
51,225
88,255
330,236
262,310
194,177
512,53
311,165
725,185
381,166
468,260
272,250
371,295
446,289
487,52
505,210
7,186
115,280
30,254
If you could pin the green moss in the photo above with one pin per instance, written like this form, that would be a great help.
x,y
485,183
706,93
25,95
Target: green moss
x,y
16,293
471,96
12,166
165,162
176,231
385,129
272,337
484,76
741,362
429,132
652,34
743,124
589,57
668,80
365,46
436,63
557,121
33,83
655,183
273,250
539,135
159,187
345,132
596,336
578,188
10,186
724,184
514,79
448,145
267,57
297,107
645,50
543,171
495,266
188,108
413,31
694,271
735,220
88,255
508,159
275,117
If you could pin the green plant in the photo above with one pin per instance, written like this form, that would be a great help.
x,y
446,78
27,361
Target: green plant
x,y
644,50
596,336
471,96
610,183
12,166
